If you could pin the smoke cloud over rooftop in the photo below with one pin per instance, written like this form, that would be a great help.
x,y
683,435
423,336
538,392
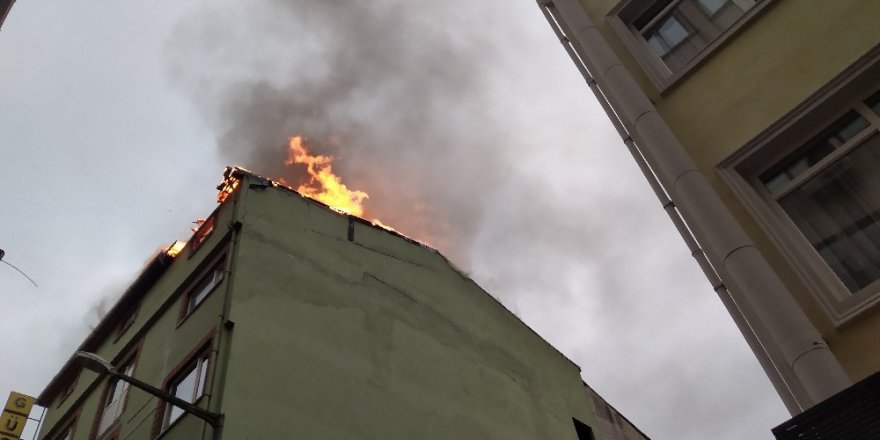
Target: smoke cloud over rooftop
x,y
397,91
440,111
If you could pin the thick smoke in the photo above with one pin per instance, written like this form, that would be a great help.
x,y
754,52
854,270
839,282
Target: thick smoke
x,y
395,90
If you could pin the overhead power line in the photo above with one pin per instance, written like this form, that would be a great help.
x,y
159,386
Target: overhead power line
x,y
2,254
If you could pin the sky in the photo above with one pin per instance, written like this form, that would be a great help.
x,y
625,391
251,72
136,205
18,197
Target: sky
x,y
465,122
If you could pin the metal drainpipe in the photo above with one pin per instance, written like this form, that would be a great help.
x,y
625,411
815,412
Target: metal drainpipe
x,y
802,348
225,326
776,378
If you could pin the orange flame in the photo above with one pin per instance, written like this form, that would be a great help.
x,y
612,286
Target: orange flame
x,y
376,222
175,248
323,185
226,189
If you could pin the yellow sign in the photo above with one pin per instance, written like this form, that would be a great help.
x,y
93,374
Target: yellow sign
x,y
15,415
19,403
12,424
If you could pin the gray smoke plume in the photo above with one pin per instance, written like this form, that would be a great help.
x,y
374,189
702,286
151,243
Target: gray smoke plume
x,y
396,90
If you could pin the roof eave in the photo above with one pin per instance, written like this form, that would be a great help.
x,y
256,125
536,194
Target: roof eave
x,y
144,281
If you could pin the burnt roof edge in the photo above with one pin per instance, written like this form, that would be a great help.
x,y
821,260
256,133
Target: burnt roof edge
x,y
238,172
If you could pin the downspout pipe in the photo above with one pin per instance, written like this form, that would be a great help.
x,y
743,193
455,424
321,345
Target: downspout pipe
x,y
776,377
802,347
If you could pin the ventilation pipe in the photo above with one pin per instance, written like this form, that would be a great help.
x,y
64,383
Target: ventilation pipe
x,y
788,335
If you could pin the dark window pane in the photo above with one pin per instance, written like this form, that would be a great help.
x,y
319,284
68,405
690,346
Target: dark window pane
x,y
817,148
682,32
874,102
850,128
838,211
649,14
796,164
583,431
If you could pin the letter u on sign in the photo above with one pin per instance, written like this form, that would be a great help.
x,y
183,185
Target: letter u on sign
x,y
11,424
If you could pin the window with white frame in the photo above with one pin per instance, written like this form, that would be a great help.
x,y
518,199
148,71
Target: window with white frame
x,y
811,180
204,286
114,403
830,189
669,36
189,386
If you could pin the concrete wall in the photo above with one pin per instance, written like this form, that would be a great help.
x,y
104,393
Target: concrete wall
x,y
378,338
781,57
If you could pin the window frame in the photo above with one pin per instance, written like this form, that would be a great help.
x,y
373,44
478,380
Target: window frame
x,y
203,349
129,359
622,15
742,170
200,366
215,265
202,233
131,316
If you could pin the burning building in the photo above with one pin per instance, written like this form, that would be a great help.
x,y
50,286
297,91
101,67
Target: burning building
x,y
283,318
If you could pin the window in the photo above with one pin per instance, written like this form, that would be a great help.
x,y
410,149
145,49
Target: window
x,y
114,402
203,287
811,180
830,188
584,432
203,230
668,37
189,386
126,323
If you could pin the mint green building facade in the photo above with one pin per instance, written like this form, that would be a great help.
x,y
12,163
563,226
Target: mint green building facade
x,y
295,321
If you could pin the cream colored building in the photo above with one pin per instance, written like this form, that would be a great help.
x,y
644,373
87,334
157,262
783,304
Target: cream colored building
x,y
759,119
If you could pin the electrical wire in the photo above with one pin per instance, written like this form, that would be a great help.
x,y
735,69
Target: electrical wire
x,y
19,271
